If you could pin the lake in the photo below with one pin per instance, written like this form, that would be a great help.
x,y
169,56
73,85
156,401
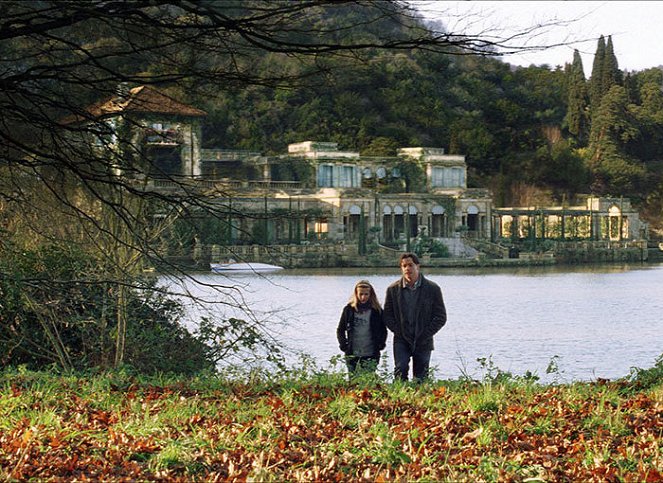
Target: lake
x,y
592,321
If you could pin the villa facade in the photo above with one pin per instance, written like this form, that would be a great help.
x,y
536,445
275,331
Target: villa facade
x,y
318,193
342,194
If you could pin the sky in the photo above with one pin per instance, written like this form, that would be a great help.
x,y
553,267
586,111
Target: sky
x,y
635,26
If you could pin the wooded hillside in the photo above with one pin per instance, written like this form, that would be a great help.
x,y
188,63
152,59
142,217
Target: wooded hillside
x,y
532,135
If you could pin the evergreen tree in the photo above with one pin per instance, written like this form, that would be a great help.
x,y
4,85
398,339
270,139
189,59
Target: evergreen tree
x,y
648,146
610,73
631,89
613,171
596,81
576,114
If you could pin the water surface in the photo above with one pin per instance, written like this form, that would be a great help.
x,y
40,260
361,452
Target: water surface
x,y
593,321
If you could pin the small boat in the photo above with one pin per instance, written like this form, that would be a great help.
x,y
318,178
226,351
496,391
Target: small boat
x,y
243,267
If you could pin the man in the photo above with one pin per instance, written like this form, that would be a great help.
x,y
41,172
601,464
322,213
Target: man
x,y
414,311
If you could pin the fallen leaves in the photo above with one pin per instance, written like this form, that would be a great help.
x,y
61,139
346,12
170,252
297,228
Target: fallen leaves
x,y
330,433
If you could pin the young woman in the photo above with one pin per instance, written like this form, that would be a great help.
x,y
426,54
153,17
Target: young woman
x,y
361,332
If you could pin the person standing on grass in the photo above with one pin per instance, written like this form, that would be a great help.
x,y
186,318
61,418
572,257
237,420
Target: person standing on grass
x,y
414,311
361,331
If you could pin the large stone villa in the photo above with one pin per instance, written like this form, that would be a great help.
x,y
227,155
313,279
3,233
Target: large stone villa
x,y
317,200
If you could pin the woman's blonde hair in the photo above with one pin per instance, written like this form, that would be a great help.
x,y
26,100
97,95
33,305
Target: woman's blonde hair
x,y
372,299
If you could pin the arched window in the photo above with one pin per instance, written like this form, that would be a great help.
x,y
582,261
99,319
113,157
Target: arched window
x,y
472,218
413,220
352,223
387,223
438,221
399,221
615,223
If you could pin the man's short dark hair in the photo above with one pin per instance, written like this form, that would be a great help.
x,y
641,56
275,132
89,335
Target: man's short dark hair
x,y
414,258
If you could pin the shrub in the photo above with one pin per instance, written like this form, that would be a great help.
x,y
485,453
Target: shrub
x,y
55,310
434,247
647,378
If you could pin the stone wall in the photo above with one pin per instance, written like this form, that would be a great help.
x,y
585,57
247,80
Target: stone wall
x,y
601,251
347,255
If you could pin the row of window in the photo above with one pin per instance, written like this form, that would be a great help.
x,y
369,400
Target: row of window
x,y
412,210
453,177
332,176
345,176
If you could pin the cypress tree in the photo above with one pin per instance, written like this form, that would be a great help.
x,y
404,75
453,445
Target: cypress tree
x,y
610,73
612,169
596,81
576,112
632,89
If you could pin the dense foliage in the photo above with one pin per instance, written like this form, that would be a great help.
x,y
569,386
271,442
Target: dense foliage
x,y
68,319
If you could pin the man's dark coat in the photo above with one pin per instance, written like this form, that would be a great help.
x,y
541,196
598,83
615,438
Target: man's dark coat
x,y
431,314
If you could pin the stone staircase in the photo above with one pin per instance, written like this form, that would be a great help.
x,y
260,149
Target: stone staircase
x,y
458,248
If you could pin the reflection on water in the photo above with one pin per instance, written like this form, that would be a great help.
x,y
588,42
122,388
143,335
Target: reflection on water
x,y
597,321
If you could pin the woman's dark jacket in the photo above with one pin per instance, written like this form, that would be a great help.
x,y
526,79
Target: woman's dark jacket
x,y
346,328
431,314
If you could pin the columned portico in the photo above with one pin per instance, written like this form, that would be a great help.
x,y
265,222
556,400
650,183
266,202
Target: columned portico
x,y
601,219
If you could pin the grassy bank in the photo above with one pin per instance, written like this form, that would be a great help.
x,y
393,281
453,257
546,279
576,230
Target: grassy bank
x,y
320,427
